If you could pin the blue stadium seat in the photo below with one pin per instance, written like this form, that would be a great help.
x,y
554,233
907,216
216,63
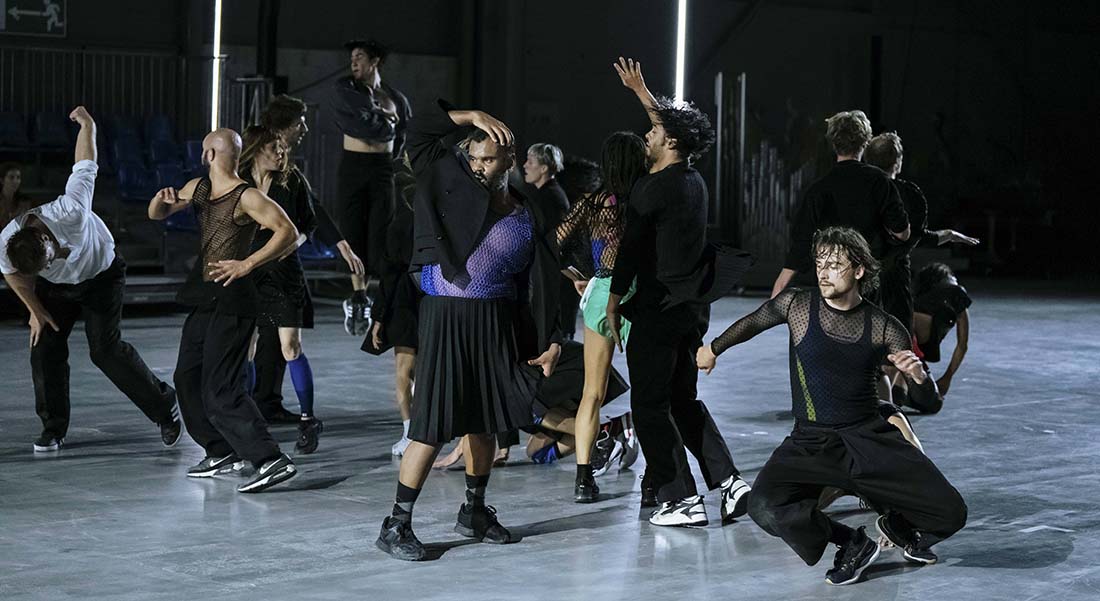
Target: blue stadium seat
x,y
51,130
314,250
170,174
13,130
159,127
192,155
164,151
127,150
122,127
135,182
183,221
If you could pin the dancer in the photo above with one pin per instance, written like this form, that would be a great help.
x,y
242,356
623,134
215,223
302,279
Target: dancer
x,y
60,260
662,245
286,116
599,220
395,310
885,152
488,320
853,194
837,343
373,117
12,200
219,413
284,303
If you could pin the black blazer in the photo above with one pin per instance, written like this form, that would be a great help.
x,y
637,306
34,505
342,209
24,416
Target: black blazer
x,y
450,210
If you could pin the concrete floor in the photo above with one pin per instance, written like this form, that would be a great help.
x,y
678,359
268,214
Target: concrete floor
x,y
113,517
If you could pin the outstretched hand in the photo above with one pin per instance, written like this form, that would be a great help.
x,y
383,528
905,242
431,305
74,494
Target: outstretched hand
x,y
630,73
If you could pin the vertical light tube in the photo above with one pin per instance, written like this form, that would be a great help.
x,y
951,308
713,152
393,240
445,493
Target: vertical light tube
x,y
216,67
681,47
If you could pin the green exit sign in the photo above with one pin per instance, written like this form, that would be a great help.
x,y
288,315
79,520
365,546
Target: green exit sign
x,y
34,17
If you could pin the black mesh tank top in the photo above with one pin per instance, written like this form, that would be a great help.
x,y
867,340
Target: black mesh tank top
x,y
225,233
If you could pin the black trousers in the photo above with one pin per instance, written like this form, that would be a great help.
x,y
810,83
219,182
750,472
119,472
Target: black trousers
x,y
895,292
667,414
99,302
870,459
210,377
270,370
366,195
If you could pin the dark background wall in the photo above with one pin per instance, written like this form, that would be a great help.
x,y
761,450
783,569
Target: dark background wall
x,y
995,100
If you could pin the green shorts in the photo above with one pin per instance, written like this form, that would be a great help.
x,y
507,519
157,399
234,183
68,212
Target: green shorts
x,y
594,308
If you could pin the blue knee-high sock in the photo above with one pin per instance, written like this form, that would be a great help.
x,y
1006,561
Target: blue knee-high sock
x,y
250,376
302,377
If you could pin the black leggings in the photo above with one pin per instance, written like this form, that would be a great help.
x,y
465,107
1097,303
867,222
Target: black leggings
x,y
366,196
872,460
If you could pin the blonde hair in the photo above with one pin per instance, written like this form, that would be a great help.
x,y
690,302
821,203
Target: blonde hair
x,y
848,132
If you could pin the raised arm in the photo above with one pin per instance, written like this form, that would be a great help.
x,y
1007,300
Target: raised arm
x,y
630,73
284,237
428,133
85,139
168,201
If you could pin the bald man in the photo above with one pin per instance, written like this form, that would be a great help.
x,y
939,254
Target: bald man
x,y
219,413
60,259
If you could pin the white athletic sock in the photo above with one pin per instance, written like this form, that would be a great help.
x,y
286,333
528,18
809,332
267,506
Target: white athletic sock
x,y
405,425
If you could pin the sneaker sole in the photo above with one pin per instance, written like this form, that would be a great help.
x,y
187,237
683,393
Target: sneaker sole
x,y
236,466
904,553
388,550
585,500
701,524
740,507
469,533
859,572
269,481
49,449
614,457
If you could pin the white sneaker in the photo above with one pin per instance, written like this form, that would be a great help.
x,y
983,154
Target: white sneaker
x,y
399,447
735,498
685,513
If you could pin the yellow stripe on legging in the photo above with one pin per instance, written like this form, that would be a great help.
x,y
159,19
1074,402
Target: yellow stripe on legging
x,y
811,413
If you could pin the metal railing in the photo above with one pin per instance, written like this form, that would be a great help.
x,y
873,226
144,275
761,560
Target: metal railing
x,y
107,81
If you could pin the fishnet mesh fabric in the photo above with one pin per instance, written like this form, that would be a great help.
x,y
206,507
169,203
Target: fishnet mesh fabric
x,y
590,234
226,230
834,357
505,252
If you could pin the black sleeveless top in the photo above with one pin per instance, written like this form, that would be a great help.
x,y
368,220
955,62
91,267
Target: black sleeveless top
x,y
225,233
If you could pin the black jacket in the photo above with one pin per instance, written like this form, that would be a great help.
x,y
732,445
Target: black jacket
x,y
450,211
355,113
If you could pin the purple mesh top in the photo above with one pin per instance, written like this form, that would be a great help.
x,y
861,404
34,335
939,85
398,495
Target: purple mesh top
x,y
506,251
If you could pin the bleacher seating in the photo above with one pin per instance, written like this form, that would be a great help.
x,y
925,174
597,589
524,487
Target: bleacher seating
x,y
135,182
170,174
13,130
159,127
51,130
164,152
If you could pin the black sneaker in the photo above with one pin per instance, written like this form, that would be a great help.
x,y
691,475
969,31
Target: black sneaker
x,y
398,540
649,493
586,490
309,434
910,546
282,416
212,466
357,320
480,522
271,473
47,442
172,430
852,559
606,453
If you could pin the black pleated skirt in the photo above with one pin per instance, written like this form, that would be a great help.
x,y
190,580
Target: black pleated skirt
x,y
470,378
283,297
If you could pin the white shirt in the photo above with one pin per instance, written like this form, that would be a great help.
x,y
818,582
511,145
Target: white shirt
x,y
70,219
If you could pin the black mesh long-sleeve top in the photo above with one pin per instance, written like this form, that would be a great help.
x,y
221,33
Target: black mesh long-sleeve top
x,y
595,221
834,356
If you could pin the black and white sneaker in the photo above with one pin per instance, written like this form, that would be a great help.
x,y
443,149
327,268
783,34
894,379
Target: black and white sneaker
x,y
735,498
398,540
46,443
685,513
852,559
910,546
271,473
309,435
172,430
480,522
606,453
212,466
357,320
629,440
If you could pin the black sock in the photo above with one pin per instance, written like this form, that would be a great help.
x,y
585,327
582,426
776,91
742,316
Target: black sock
x,y
475,489
359,296
403,506
840,534
584,471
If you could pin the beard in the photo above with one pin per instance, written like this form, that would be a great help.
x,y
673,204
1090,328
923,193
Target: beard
x,y
830,291
494,183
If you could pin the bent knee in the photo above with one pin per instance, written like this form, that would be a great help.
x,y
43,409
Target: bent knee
x,y
291,352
